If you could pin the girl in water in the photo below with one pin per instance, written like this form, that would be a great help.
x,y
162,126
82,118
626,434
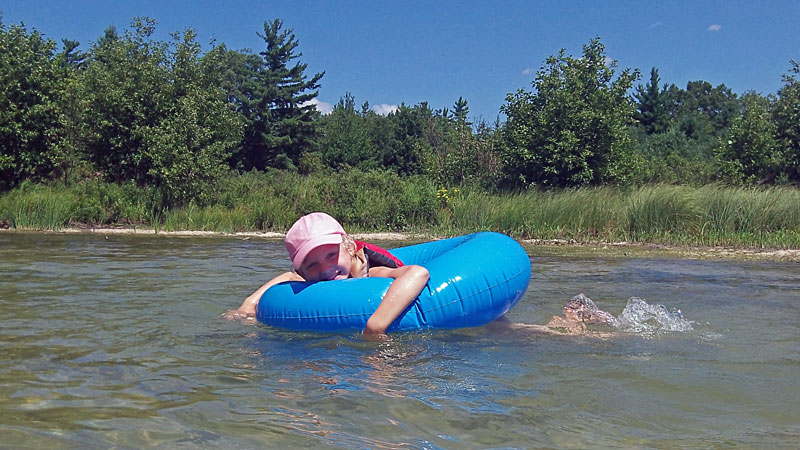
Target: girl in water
x,y
320,250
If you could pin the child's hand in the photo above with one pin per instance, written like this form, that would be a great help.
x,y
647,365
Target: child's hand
x,y
374,335
238,314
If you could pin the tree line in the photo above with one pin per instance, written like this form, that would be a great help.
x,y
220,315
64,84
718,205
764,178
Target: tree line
x,y
175,117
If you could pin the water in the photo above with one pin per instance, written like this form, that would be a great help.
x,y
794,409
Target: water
x,y
118,342
644,319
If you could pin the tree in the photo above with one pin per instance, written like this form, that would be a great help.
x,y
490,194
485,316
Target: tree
x,y
126,91
188,148
461,111
716,104
703,113
28,105
651,110
156,115
70,57
571,130
408,152
787,121
749,153
67,150
462,154
345,137
279,116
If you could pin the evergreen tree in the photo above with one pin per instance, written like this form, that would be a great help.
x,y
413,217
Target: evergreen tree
x,y
461,111
279,115
458,164
409,151
70,57
651,110
67,149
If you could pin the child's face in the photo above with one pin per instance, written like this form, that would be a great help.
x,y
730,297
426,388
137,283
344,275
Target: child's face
x,y
327,262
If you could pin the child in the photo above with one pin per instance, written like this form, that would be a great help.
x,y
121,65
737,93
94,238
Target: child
x,y
578,312
320,250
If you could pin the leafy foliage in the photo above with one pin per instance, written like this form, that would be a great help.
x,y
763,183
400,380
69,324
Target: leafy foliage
x,y
749,153
188,149
124,95
347,137
571,130
174,120
152,115
29,96
787,121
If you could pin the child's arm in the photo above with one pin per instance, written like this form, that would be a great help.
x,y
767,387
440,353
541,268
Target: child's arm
x,y
248,308
408,283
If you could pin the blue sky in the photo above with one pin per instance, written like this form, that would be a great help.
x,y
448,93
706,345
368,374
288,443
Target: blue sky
x,y
388,52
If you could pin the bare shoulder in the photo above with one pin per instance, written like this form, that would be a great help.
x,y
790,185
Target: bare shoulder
x,y
289,276
395,272
388,272
282,278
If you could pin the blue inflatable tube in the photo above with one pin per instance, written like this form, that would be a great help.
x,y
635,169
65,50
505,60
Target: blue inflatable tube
x,y
474,279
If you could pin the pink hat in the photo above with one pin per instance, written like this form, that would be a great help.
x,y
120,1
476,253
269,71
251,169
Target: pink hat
x,y
308,233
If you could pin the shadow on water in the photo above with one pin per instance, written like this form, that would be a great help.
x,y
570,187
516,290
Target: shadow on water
x,y
118,342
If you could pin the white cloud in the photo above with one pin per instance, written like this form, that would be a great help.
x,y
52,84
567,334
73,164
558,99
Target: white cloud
x,y
715,27
608,61
384,109
529,71
323,107
655,25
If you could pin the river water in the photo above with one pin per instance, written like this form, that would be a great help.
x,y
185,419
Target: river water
x,y
117,342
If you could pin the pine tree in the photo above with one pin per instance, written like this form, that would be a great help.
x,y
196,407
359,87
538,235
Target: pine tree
x,y
651,110
461,111
278,111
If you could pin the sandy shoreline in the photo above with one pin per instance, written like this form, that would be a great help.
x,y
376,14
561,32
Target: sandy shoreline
x,y
551,245
250,234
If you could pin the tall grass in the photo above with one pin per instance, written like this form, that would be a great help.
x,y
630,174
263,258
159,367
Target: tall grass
x,y
381,201
709,215
662,210
37,207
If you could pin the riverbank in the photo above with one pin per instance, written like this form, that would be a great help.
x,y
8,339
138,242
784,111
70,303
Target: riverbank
x,y
536,247
766,219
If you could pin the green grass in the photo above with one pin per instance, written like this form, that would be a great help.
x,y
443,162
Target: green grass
x,y
37,207
712,215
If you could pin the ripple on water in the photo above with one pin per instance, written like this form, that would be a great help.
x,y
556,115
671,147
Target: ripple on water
x,y
118,343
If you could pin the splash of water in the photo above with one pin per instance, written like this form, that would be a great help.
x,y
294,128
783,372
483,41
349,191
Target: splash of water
x,y
643,318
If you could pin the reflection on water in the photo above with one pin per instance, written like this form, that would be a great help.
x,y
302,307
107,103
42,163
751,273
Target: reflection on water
x,y
118,342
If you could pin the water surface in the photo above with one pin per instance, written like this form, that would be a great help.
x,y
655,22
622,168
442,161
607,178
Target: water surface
x,y
118,342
